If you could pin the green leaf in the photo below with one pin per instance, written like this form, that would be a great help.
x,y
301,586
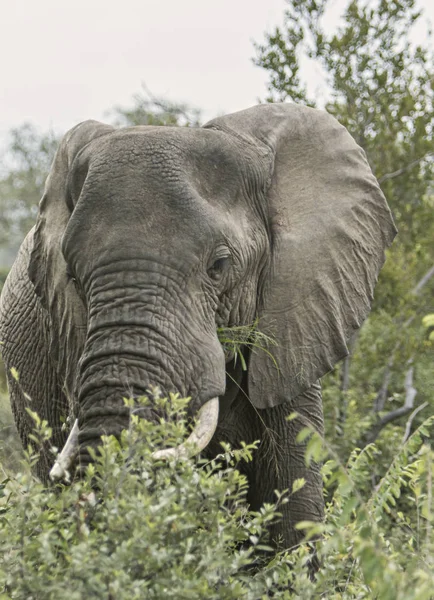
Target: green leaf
x,y
14,373
298,484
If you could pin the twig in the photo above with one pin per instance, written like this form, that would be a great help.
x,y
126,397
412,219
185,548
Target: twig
x,y
410,395
416,290
407,406
410,421
399,172
381,397
172,107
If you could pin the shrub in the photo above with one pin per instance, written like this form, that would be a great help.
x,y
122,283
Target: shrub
x,y
135,527
178,529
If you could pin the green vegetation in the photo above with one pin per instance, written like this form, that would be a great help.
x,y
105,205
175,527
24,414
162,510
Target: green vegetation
x,y
11,451
22,181
182,529
157,530
148,109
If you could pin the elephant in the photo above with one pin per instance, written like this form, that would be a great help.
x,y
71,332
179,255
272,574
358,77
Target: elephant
x,y
150,238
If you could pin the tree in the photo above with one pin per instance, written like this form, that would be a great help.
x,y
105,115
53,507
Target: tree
x,y
21,185
148,109
381,87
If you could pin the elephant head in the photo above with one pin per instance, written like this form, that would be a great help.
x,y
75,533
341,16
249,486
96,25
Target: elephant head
x,y
149,237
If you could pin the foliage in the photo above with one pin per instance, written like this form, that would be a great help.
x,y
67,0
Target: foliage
x,y
148,109
135,527
21,185
369,548
428,322
11,452
381,87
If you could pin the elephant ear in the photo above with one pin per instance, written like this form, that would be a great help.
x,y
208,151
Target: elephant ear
x,y
330,225
47,267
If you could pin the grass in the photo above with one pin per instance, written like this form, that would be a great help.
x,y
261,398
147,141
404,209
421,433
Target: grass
x,y
236,339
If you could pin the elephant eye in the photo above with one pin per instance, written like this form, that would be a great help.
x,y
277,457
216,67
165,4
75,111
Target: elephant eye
x,y
219,267
70,275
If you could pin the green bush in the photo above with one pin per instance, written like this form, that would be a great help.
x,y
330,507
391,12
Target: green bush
x,y
10,446
178,529
135,527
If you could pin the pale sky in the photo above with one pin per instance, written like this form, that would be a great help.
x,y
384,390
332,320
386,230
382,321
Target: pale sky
x,y
63,61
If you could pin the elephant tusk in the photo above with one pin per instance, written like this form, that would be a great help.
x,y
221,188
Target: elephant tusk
x,y
66,457
200,437
207,419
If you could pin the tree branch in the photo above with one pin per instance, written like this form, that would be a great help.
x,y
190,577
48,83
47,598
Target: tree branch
x,y
408,167
418,287
410,395
381,397
410,421
345,379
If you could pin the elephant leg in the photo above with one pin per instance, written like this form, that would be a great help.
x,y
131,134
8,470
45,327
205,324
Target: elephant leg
x,y
23,332
279,460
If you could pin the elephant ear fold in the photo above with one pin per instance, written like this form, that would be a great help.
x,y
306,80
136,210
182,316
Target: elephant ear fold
x,y
330,225
46,261
47,268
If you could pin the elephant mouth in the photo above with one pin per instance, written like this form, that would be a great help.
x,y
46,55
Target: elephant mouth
x,y
199,438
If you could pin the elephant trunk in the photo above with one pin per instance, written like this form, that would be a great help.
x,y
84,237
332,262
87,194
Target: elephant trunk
x,y
129,352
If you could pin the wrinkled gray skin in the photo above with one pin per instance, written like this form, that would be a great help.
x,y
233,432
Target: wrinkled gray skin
x,y
148,237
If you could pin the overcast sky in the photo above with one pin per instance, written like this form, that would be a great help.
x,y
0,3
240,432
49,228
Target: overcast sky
x,y
65,61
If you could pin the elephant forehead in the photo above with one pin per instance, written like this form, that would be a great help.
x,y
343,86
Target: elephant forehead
x,y
167,157
159,187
